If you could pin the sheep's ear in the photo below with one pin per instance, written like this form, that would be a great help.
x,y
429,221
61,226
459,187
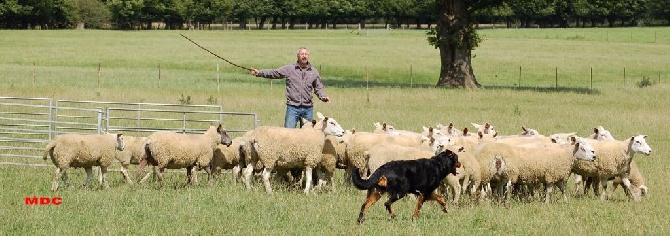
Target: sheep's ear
x,y
465,131
384,126
523,128
595,130
495,134
481,135
353,130
318,114
314,123
119,135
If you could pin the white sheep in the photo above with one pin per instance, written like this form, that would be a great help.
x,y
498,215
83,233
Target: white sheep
x,y
360,142
636,180
132,154
285,148
600,133
448,130
165,149
528,131
467,179
614,158
384,128
229,157
485,128
380,154
499,165
551,166
83,151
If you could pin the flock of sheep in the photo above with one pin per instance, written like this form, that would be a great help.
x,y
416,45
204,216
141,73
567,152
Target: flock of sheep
x,y
492,166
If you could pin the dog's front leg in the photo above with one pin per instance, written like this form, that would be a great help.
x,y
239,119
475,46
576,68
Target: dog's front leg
x,y
419,204
439,199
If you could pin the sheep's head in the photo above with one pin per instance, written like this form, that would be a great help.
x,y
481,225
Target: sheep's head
x,y
583,150
638,144
329,126
120,143
600,133
528,131
225,139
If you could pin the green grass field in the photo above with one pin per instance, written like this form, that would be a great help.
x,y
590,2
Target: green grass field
x,y
64,65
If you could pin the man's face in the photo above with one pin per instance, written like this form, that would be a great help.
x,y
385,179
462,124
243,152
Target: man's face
x,y
303,56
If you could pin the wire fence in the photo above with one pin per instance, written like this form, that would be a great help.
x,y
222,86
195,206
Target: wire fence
x,y
28,124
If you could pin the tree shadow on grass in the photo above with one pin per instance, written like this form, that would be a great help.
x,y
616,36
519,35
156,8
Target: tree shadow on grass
x,y
376,84
546,89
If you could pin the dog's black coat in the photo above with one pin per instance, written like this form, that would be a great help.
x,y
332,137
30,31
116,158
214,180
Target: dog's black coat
x,y
399,178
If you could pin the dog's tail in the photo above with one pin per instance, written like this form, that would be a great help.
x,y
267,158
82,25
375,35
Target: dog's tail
x,y
376,179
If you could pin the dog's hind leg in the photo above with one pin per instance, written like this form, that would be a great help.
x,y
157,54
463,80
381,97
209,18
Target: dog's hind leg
x,y
392,198
373,196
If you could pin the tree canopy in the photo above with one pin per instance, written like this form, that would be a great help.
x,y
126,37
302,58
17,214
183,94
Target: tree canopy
x,y
180,14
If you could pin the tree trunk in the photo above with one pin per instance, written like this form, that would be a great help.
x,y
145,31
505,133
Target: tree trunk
x,y
454,23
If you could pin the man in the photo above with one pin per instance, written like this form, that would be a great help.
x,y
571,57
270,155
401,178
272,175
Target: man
x,y
301,80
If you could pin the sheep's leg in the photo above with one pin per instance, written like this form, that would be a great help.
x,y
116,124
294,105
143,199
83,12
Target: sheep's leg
x,y
103,175
465,184
160,175
373,196
267,171
603,183
236,173
455,189
153,173
561,186
89,176
126,176
189,175
578,183
547,195
208,170
140,169
57,178
308,179
66,179
482,192
247,175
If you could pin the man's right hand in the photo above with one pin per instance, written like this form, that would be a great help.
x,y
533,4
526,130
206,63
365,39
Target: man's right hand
x,y
253,71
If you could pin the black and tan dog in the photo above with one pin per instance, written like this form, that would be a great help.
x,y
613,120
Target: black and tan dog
x,y
398,178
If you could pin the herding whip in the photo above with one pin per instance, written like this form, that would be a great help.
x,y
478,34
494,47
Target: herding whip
x,y
210,52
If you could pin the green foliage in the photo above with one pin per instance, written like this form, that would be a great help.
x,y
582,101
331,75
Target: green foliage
x,y
576,37
185,100
92,13
644,82
211,100
455,37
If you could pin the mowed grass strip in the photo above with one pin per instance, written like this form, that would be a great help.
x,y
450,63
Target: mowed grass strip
x,y
67,68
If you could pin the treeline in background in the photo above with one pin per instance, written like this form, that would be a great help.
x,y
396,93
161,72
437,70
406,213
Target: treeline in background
x,y
319,14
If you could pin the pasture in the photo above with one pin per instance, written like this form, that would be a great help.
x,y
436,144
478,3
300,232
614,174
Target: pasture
x,y
64,65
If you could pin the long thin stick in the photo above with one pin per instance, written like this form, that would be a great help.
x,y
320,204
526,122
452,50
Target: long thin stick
x,y
210,52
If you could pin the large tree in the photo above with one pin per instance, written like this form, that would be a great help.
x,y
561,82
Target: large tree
x,y
455,37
